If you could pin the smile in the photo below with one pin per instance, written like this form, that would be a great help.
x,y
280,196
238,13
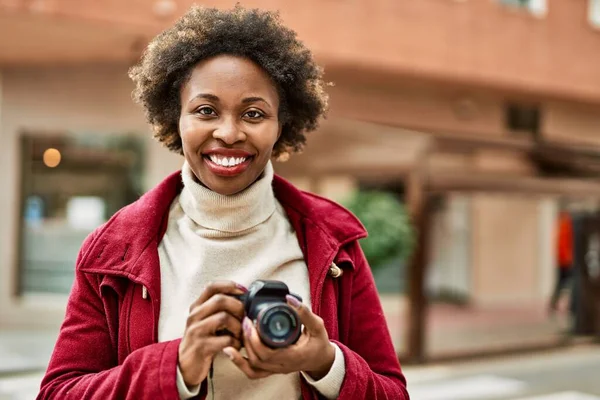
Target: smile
x,y
228,165
227,161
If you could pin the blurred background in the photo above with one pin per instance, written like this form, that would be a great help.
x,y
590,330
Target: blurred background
x,y
477,122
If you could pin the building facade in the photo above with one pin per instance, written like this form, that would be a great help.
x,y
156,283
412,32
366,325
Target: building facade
x,y
490,106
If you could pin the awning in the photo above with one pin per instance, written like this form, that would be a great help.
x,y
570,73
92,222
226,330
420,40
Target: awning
x,y
486,182
360,149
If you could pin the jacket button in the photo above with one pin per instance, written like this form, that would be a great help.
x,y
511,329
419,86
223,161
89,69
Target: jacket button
x,y
335,271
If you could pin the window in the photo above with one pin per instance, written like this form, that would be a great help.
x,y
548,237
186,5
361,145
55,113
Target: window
x,y
537,7
70,185
522,118
594,12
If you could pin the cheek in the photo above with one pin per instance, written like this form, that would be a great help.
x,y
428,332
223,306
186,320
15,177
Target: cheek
x,y
183,129
189,133
269,137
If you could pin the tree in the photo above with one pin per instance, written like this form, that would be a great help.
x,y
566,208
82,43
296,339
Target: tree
x,y
391,234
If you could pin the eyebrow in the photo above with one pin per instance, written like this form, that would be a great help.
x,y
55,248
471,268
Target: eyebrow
x,y
214,98
254,99
206,96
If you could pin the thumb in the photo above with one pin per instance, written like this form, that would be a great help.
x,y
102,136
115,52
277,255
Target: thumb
x,y
313,323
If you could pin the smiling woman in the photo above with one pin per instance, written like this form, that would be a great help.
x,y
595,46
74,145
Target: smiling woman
x,y
229,122
158,292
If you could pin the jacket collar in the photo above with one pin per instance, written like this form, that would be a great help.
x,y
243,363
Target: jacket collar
x,y
334,222
128,241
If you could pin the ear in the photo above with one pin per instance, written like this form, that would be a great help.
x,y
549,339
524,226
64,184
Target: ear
x,y
280,130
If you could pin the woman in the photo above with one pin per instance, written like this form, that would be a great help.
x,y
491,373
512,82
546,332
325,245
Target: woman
x,y
154,287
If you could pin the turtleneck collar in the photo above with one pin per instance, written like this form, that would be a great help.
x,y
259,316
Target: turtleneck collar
x,y
235,213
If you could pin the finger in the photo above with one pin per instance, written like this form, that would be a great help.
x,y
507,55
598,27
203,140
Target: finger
x,y
313,323
249,330
225,287
243,364
211,345
216,323
218,302
258,353
216,344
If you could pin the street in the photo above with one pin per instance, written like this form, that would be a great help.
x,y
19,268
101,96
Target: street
x,y
571,374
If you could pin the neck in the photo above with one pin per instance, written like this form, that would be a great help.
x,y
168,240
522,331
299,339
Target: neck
x,y
228,213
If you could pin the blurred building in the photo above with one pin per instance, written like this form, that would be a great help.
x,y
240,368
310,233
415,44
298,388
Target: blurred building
x,y
480,113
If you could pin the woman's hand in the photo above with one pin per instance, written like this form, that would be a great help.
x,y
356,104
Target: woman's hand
x,y
312,353
214,311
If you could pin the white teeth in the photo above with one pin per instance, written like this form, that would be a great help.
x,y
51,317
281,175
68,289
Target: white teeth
x,y
226,162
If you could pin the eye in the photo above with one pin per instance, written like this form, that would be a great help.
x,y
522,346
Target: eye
x,y
206,111
253,114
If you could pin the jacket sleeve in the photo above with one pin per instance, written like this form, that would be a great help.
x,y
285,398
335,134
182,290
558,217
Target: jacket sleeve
x,y
84,362
372,366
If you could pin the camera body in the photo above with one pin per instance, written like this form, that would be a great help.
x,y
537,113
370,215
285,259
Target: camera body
x,y
277,323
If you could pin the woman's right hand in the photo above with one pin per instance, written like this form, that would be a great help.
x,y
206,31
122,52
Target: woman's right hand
x,y
214,311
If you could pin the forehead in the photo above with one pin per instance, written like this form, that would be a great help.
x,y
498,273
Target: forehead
x,y
229,76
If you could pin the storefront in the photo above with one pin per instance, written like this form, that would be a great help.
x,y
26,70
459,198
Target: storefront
x,y
74,150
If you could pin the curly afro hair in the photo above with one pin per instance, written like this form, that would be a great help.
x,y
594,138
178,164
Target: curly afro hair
x,y
201,33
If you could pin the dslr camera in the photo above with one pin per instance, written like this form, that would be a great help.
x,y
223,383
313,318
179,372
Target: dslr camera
x,y
277,323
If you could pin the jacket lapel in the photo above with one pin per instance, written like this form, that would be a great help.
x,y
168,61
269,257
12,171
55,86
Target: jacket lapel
x,y
127,244
322,228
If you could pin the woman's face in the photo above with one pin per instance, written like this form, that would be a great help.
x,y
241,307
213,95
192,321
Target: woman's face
x,y
228,122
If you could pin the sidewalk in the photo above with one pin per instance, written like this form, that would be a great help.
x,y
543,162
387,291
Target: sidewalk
x,y
452,330
560,374
25,351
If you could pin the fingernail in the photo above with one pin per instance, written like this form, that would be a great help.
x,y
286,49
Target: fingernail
x,y
241,287
246,326
293,301
228,352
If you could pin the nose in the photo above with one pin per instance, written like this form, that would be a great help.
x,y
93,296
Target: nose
x,y
229,132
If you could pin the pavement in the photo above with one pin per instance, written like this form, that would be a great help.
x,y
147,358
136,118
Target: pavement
x,y
20,387
562,374
566,374
24,356
455,329
25,351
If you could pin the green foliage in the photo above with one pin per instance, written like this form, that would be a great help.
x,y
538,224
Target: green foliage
x,y
390,232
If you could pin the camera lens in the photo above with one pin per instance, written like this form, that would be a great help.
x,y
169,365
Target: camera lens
x,y
278,325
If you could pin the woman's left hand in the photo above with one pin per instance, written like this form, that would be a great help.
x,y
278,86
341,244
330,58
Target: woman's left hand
x,y
312,353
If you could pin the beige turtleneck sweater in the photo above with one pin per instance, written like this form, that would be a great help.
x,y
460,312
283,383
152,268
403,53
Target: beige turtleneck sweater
x,y
242,237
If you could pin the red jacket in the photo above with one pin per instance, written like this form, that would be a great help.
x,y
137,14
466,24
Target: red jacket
x,y
107,347
565,241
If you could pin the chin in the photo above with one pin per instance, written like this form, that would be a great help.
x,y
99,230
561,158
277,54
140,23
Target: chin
x,y
226,188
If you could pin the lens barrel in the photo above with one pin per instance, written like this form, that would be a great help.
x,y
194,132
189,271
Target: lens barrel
x,y
278,325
